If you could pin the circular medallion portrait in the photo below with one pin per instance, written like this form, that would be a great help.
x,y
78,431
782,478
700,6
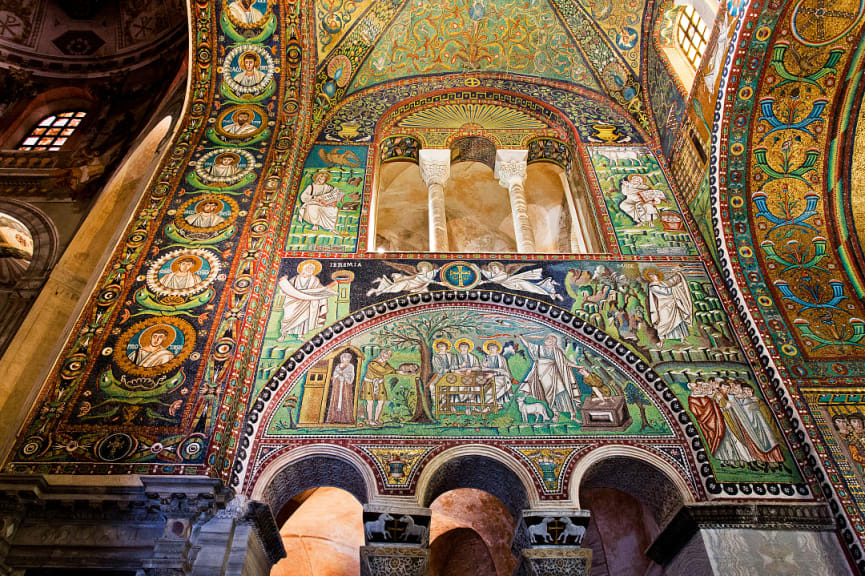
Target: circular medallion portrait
x,y
241,122
207,213
154,346
248,69
247,13
224,166
183,272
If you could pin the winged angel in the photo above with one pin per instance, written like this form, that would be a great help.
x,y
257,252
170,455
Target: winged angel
x,y
412,279
509,276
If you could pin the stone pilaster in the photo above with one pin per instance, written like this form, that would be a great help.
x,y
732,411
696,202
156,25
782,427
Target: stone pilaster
x,y
510,171
548,543
435,169
397,541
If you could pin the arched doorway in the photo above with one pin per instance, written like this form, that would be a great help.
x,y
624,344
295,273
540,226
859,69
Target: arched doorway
x,y
630,501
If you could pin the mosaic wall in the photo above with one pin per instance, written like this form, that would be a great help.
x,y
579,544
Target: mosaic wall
x,y
242,316
780,183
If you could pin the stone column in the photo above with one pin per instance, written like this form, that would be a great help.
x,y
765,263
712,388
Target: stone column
x,y
435,169
511,173
397,541
744,538
549,542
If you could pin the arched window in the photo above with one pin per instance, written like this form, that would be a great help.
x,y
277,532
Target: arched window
x,y
52,132
692,34
475,211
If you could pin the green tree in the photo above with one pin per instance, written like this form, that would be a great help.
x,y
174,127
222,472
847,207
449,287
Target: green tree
x,y
418,333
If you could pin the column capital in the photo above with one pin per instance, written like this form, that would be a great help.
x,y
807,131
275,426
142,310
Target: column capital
x,y
435,165
511,167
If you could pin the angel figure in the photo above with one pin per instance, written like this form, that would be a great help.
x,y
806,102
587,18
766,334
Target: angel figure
x,y
415,279
509,276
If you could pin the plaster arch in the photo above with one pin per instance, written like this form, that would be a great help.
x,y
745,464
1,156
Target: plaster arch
x,y
684,490
443,473
328,465
45,241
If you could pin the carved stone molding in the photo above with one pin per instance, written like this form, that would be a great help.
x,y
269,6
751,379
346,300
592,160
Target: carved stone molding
x,y
511,167
690,519
389,560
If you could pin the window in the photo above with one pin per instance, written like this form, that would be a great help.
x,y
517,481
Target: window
x,y
52,132
692,35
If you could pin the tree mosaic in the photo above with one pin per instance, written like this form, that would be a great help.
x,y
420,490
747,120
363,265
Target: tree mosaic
x,y
780,205
460,372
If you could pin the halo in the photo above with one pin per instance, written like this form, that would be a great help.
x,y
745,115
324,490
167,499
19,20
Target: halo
x,y
652,270
199,206
442,341
488,343
229,154
146,334
326,174
424,264
249,54
464,341
246,111
305,262
175,264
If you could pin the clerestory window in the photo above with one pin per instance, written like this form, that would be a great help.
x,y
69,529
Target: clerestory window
x,y
52,132
692,34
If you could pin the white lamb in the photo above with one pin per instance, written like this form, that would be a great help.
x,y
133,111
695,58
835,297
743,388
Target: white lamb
x,y
537,409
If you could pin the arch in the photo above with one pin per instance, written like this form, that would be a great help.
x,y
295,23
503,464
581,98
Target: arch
x,y
60,99
313,466
481,467
460,551
604,466
45,241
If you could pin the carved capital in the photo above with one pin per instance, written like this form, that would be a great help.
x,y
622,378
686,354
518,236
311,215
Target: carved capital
x,y
511,167
435,165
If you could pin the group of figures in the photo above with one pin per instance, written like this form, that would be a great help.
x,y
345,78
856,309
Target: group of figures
x,y
465,383
737,426
851,428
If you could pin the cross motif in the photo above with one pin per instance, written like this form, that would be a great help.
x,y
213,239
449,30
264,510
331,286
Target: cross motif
x,y
395,527
555,528
460,272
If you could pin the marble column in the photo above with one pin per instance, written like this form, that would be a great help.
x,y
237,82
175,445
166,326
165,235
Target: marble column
x,y
397,541
549,542
510,171
435,169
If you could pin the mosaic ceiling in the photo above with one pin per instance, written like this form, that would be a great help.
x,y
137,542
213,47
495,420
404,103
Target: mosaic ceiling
x,y
244,315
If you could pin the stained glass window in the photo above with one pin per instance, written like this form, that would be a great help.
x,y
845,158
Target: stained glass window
x,y
52,132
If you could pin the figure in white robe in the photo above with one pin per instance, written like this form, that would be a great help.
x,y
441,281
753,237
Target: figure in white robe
x,y
551,378
225,166
640,202
319,203
532,281
413,279
304,307
182,275
151,351
240,124
496,363
206,215
250,75
670,307
245,12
